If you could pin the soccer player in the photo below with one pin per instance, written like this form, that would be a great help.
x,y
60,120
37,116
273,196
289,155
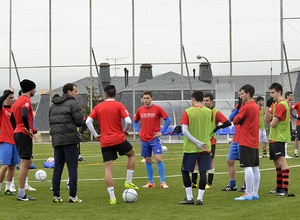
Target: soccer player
x,y
112,138
64,117
22,122
8,150
197,126
288,98
218,117
234,150
279,135
150,115
297,107
248,119
262,131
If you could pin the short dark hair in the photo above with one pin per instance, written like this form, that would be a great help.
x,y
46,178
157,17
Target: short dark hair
x,y
277,87
259,98
20,92
5,91
198,95
288,93
248,89
211,97
55,96
110,91
148,92
67,87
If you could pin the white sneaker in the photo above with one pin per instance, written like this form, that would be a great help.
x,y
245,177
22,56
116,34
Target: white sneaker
x,y
287,156
29,188
13,189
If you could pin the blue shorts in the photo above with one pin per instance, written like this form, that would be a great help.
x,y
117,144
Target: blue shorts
x,y
9,154
148,147
189,161
234,151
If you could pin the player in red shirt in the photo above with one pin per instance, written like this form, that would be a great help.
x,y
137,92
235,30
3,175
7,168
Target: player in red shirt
x,y
150,115
109,114
248,118
22,122
218,117
297,107
8,150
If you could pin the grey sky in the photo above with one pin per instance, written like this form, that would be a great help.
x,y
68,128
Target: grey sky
x,y
256,36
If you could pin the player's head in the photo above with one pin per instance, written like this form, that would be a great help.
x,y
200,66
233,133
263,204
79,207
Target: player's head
x,y
208,100
289,96
142,99
110,91
28,86
55,96
147,98
20,93
70,89
197,96
260,100
9,101
276,91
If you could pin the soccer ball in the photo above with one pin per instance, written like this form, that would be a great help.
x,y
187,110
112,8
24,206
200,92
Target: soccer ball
x,y
50,159
129,195
143,161
229,140
164,149
40,175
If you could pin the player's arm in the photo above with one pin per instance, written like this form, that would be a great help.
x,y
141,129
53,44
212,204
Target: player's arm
x,y
274,122
167,123
292,114
187,134
2,98
89,124
268,116
136,126
83,128
24,116
224,125
127,124
77,115
13,121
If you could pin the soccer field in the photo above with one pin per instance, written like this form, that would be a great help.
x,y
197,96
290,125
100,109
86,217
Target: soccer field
x,y
153,203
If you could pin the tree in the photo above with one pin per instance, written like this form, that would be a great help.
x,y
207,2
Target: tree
x,y
86,109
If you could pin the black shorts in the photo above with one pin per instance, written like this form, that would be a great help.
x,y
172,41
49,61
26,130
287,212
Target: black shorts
x,y
276,150
298,131
24,145
189,161
110,153
249,157
213,150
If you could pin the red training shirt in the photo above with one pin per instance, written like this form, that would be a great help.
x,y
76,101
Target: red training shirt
x,y
237,129
150,120
109,114
7,131
297,106
249,130
219,118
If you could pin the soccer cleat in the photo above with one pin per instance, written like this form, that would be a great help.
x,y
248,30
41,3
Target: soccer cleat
x,y
274,191
149,185
131,185
199,202
9,193
229,188
81,159
187,202
51,188
13,189
113,201
244,197
57,199
296,155
194,185
243,189
208,186
256,196
25,198
74,199
68,186
282,192
264,156
164,185
29,188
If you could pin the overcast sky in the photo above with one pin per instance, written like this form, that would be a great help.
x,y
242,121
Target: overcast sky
x,y
255,29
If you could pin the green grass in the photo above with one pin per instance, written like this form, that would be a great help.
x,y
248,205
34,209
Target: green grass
x,y
154,203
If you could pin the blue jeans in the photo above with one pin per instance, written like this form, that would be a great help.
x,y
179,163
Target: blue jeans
x,y
62,154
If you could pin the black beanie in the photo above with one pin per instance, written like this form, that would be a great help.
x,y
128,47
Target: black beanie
x,y
27,85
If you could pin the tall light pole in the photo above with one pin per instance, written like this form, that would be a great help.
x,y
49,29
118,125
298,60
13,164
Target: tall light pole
x,y
199,57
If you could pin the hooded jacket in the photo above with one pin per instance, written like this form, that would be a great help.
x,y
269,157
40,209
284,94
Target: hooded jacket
x,y
64,117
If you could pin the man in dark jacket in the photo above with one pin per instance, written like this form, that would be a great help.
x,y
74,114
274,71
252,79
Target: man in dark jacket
x,y
64,117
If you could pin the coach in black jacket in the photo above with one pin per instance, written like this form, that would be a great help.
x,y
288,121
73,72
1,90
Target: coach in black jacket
x,y
64,117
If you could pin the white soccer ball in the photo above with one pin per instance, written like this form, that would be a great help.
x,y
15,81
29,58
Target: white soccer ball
x,y
50,159
164,149
129,195
40,175
229,140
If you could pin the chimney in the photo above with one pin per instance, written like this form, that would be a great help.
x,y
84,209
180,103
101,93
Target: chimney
x,y
145,73
105,74
194,73
126,72
205,72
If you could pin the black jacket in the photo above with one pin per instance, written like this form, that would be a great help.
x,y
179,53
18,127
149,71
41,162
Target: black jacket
x,y
64,117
